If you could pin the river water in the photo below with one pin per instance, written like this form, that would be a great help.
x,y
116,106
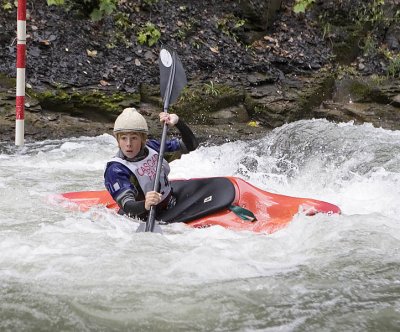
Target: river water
x,y
63,270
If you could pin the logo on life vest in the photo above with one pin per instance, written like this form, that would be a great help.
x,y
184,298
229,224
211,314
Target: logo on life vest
x,y
208,199
149,167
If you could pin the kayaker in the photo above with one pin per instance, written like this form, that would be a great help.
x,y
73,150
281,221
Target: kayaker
x,y
129,176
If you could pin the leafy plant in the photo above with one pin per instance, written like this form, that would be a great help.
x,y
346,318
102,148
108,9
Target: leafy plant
x,y
369,45
374,13
188,95
301,5
393,62
149,34
377,79
371,12
394,65
7,5
327,29
96,9
106,7
230,25
55,2
211,89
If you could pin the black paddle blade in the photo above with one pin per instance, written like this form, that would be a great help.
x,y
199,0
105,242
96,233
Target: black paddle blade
x,y
142,228
169,61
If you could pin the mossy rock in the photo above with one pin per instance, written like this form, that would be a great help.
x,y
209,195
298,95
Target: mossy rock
x,y
150,94
314,93
198,102
92,104
360,90
7,82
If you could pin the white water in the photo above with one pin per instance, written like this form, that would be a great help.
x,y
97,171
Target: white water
x,y
72,271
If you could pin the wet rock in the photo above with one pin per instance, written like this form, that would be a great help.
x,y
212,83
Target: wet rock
x,y
396,100
270,79
393,37
260,15
384,116
231,115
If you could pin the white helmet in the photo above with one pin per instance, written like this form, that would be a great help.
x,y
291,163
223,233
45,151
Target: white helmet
x,y
130,120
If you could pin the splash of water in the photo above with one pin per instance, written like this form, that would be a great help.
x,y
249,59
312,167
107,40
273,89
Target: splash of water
x,y
70,270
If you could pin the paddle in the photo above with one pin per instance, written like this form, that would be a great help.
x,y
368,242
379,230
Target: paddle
x,y
172,81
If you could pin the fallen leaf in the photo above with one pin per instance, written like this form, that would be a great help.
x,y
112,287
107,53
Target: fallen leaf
x,y
253,123
90,53
214,49
137,62
104,83
270,39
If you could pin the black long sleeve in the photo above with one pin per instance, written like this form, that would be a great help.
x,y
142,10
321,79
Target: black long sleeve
x,y
130,205
135,209
188,139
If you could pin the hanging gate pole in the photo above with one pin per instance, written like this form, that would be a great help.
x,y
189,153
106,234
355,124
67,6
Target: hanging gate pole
x,y
21,60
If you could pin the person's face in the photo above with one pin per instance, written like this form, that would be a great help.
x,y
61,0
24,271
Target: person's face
x,y
130,144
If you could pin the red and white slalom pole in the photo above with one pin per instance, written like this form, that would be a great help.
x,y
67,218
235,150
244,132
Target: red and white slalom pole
x,y
21,61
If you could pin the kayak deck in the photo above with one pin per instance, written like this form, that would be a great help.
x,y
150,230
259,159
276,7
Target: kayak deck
x,y
273,211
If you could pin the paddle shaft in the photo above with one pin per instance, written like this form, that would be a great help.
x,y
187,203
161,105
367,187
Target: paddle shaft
x,y
152,213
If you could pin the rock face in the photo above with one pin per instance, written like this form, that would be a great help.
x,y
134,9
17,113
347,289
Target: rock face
x,y
251,66
260,15
363,101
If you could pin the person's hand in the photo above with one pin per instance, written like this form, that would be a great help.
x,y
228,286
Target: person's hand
x,y
170,119
152,198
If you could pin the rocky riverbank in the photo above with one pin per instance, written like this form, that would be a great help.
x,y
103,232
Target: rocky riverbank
x,y
251,66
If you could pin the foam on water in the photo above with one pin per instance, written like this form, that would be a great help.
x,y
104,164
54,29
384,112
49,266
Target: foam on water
x,y
70,270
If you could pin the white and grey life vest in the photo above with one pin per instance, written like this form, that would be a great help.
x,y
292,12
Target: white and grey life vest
x,y
145,172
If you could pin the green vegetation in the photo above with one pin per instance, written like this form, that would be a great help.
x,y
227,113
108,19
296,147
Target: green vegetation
x,y
300,6
106,7
359,90
211,89
55,2
393,69
361,28
230,25
86,101
374,17
373,13
186,27
198,102
369,45
7,82
377,80
187,95
149,34
96,9
346,70
121,33
7,5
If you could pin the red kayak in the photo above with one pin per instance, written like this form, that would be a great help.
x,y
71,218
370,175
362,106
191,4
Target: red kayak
x,y
229,202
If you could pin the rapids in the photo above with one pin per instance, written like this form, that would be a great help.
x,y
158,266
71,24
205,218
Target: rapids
x,y
63,270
